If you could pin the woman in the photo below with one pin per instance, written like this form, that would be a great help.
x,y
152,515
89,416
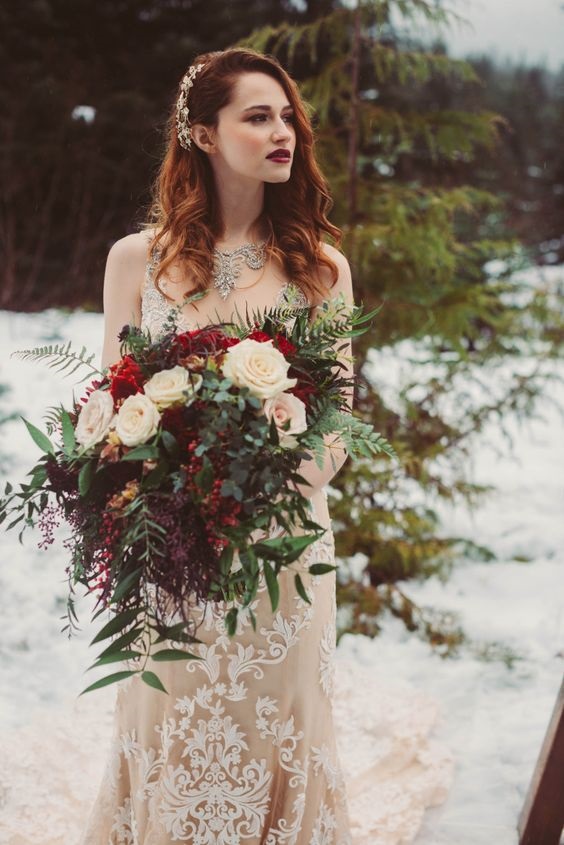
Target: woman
x,y
243,749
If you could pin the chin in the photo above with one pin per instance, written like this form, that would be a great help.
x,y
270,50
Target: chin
x,y
281,177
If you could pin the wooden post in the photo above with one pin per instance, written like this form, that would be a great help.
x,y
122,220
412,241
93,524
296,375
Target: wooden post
x,y
542,818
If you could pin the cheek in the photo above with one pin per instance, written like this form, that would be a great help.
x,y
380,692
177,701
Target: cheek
x,y
248,138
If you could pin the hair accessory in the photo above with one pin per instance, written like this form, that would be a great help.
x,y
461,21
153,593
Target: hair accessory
x,y
182,110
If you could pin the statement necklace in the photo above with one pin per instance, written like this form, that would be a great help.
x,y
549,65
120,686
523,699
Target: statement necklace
x,y
227,265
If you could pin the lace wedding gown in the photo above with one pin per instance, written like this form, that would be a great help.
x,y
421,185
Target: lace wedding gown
x,y
243,750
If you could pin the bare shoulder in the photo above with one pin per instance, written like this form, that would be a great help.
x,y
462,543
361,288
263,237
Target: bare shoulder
x,y
344,278
126,263
132,247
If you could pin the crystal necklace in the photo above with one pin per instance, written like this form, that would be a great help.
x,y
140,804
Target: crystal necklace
x,y
227,265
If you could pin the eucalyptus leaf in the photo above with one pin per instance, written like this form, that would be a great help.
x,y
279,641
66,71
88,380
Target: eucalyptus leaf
x,y
272,584
166,654
121,642
142,453
109,679
114,658
320,568
39,438
300,588
85,477
153,681
116,624
69,439
125,585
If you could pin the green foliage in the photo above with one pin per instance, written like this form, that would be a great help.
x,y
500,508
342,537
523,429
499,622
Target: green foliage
x,y
61,357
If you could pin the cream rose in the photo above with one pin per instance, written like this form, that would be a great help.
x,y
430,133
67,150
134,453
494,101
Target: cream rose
x,y
172,387
95,418
137,420
258,366
289,414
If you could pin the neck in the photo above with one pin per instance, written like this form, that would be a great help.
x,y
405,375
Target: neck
x,y
241,204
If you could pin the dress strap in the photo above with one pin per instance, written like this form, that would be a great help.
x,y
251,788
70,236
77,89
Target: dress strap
x,y
150,267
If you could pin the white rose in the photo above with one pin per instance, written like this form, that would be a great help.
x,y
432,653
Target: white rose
x,y
172,387
137,420
258,366
95,418
289,414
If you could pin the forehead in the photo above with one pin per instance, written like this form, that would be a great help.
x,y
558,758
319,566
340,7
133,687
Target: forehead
x,y
258,89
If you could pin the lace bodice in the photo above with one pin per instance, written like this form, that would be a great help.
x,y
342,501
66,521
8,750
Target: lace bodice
x,y
156,308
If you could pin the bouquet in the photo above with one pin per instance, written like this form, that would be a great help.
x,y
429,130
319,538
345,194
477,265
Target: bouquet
x,y
176,458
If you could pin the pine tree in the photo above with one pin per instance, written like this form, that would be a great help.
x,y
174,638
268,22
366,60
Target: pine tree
x,y
417,239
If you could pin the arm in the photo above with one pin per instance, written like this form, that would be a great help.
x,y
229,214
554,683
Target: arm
x,y
123,280
335,451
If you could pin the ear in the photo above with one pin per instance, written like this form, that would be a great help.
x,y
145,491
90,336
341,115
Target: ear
x,y
203,137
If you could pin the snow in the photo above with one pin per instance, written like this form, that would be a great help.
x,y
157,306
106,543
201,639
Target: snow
x,y
495,696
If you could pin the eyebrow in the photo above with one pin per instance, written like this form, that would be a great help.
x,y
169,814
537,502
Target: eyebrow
x,y
266,108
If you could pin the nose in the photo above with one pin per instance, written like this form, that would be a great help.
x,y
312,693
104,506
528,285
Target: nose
x,y
281,130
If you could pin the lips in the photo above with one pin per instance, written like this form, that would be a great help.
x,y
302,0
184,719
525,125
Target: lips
x,y
280,154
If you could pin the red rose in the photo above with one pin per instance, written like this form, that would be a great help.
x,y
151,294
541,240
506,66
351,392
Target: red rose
x,y
261,337
200,341
126,378
285,346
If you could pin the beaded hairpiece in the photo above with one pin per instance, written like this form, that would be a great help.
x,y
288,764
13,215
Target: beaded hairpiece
x,y
182,110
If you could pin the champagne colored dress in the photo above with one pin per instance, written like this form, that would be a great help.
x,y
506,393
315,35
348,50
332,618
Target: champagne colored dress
x,y
242,751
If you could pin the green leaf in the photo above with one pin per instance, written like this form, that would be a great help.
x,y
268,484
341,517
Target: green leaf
x,y
39,438
204,478
109,679
170,444
115,657
69,439
85,478
153,681
231,621
175,633
123,587
39,477
272,584
300,588
142,453
174,654
253,619
120,642
320,568
287,549
116,624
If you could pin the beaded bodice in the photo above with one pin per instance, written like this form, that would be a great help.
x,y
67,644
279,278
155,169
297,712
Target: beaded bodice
x,y
156,308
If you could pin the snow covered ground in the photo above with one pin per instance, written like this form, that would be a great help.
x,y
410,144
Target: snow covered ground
x,y
495,698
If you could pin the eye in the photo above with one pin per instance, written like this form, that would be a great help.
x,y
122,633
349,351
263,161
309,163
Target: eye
x,y
257,117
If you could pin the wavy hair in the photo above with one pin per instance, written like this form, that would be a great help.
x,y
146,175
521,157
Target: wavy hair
x,y
185,212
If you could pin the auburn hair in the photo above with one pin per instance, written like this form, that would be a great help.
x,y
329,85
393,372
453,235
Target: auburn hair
x,y
184,211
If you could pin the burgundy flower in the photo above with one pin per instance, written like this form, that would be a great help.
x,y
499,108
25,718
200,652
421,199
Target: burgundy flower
x,y
200,342
285,346
303,390
126,379
261,337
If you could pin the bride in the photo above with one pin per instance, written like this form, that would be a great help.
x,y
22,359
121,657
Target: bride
x,y
243,749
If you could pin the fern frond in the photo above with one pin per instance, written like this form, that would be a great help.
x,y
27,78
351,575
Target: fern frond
x,y
52,417
60,357
360,438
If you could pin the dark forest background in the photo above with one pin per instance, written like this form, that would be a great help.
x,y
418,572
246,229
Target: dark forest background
x,y
437,166
71,187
